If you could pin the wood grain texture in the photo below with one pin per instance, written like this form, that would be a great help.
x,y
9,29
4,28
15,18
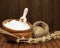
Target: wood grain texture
x,y
39,10
21,45
2,41
49,44
54,44
15,45
38,45
7,45
43,45
57,42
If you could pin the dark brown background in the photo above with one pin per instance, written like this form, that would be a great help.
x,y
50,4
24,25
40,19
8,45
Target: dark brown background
x,y
43,10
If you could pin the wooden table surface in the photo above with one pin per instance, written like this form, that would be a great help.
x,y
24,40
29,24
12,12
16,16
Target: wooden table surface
x,y
50,44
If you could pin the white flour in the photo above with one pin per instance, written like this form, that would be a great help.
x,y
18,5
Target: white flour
x,y
17,25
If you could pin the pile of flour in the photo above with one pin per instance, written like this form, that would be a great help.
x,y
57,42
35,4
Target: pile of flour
x,y
17,25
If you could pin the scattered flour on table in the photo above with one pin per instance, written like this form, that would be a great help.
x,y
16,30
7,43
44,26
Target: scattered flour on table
x,y
17,25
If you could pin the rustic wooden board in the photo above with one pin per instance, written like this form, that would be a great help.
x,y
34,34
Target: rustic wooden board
x,y
54,44
49,44
57,42
7,45
21,45
43,45
15,46
38,45
2,41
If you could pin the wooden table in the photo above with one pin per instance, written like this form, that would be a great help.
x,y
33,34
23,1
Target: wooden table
x,y
50,44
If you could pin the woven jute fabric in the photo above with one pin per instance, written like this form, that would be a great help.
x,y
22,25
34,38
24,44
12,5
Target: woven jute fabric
x,y
40,28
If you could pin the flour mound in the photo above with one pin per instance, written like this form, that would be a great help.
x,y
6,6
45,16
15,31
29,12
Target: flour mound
x,y
17,25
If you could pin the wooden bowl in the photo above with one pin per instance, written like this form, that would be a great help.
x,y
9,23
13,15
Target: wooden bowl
x,y
12,30
26,33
